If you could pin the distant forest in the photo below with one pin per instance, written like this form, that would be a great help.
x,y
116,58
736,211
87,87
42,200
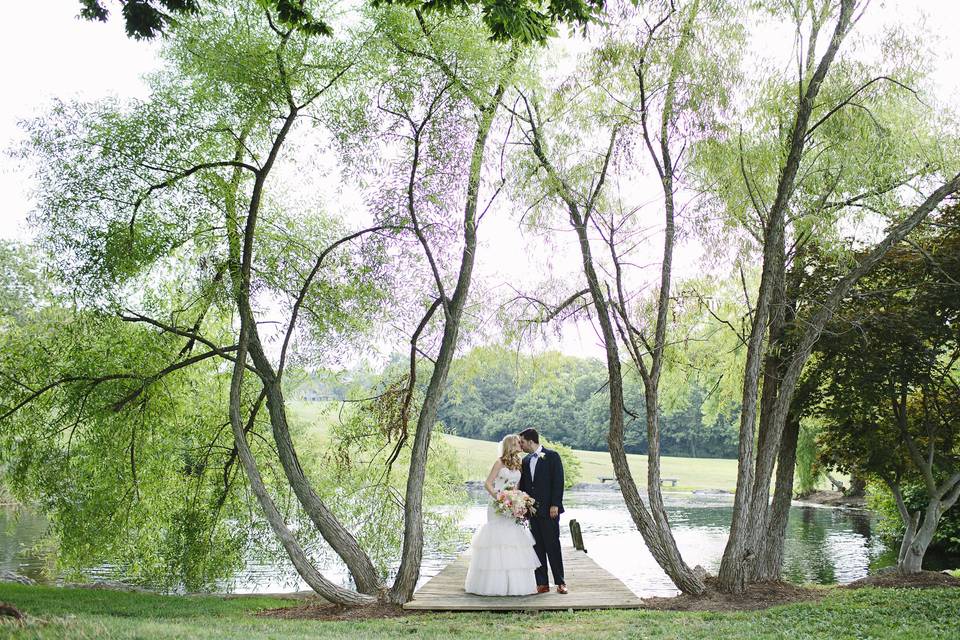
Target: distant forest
x,y
493,391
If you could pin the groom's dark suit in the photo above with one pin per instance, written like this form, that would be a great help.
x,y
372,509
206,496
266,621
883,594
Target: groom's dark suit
x,y
546,488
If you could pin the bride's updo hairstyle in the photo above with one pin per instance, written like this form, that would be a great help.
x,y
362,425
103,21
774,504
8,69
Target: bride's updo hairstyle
x,y
510,454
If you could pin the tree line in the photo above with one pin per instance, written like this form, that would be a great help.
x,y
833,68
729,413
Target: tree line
x,y
492,391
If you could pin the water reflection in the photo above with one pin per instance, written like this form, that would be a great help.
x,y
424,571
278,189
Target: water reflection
x,y
823,545
20,531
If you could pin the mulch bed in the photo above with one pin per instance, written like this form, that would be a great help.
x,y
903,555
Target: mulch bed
x,y
892,579
337,612
756,596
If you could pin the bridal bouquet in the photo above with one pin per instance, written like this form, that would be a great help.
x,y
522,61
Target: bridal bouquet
x,y
513,503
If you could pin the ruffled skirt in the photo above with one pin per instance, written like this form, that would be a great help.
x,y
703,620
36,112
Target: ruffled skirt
x,y
502,560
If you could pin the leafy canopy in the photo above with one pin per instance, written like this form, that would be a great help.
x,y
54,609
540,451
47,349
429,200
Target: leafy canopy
x,y
146,19
522,21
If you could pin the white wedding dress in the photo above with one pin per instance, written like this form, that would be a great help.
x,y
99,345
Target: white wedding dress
x,y
502,560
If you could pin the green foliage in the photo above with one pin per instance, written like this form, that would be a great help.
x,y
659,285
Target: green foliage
x,y
521,21
572,467
142,18
809,472
525,22
358,460
146,19
887,365
881,133
891,527
115,428
493,392
132,473
23,285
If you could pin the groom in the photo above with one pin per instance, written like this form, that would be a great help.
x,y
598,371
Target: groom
x,y
541,477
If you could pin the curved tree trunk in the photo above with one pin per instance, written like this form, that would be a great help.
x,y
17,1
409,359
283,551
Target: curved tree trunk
x,y
653,524
336,535
241,245
919,533
412,553
304,566
658,538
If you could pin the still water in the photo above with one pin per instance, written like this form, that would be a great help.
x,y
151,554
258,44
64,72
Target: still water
x,y
824,545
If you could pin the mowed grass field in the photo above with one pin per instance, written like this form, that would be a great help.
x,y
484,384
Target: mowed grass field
x,y
476,456
54,613
690,473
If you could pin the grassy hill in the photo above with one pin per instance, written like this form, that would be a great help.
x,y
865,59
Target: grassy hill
x,y
477,456
691,473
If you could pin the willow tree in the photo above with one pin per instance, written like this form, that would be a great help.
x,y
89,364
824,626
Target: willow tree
x,y
653,86
173,212
844,142
439,105
149,210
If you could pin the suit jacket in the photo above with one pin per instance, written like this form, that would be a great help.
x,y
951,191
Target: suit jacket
x,y
546,487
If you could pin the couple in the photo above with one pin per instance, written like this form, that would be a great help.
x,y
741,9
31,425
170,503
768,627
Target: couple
x,y
507,558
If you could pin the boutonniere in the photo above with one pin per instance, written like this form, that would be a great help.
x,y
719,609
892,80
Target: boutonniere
x,y
541,455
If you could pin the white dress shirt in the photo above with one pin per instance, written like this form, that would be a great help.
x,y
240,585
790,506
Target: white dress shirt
x,y
534,459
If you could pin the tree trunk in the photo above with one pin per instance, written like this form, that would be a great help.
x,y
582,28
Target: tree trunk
x,y
858,487
918,534
412,553
770,562
241,256
772,373
659,539
653,525
336,535
738,555
913,549
301,562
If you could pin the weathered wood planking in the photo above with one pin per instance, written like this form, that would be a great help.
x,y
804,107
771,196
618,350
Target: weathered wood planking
x,y
591,587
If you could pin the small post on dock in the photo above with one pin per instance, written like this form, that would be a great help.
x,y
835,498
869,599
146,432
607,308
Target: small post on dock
x,y
577,536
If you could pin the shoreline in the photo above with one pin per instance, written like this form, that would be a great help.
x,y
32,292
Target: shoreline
x,y
614,487
820,498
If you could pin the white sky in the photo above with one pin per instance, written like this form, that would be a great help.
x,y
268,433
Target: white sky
x,y
48,53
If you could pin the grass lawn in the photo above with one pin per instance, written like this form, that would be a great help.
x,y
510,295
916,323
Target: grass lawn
x,y
692,473
476,456
865,613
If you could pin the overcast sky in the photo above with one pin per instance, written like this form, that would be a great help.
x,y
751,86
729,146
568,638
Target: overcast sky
x,y
49,53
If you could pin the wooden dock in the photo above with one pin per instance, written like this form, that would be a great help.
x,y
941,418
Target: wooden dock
x,y
590,588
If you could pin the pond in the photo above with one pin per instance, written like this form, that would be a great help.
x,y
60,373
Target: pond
x,y
824,545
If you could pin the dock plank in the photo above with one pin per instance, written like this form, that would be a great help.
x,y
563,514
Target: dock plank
x,y
591,587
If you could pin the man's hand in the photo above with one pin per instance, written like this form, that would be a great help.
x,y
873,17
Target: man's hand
x,y
554,512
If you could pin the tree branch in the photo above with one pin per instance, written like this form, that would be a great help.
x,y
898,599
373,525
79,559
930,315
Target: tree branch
x,y
295,312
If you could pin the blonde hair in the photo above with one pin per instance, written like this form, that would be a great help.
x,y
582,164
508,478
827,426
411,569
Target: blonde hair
x,y
510,453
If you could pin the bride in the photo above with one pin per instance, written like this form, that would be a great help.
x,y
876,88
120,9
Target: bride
x,y
503,561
